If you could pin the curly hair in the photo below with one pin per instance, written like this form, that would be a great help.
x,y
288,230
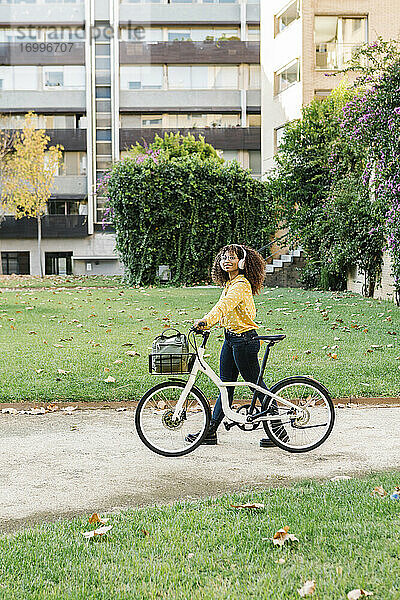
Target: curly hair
x,y
254,268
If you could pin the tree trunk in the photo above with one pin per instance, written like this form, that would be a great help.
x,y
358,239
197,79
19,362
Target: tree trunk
x,y
39,240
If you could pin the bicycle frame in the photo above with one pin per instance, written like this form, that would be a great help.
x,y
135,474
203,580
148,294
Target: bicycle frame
x,y
200,365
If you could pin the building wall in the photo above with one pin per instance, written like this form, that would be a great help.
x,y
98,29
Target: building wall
x,y
96,245
276,52
384,290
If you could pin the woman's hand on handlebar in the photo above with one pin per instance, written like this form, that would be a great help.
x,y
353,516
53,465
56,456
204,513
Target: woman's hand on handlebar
x,y
199,326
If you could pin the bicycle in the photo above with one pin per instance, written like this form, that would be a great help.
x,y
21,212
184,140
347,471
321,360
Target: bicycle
x,y
297,412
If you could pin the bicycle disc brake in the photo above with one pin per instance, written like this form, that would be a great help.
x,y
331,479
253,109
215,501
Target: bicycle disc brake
x,y
170,423
247,426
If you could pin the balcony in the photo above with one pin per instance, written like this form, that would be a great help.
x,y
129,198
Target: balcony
x,y
187,52
45,53
179,14
64,101
41,13
333,56
187,100
69,186
53,226
73,140
223,138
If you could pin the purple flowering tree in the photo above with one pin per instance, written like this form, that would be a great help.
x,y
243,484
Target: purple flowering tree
x,y
371,120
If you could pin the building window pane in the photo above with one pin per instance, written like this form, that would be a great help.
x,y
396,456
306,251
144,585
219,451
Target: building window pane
x,y
141,77
287,17
255,77
58,263
226,78
336,40
55,78
287,77
15,263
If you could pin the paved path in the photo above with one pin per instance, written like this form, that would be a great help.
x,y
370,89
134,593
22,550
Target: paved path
x,y
61,465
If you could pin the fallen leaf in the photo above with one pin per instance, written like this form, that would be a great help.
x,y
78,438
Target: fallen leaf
x,y
308,589
281,561
340,478
95,532
360,593
96,519
39,370
339,570
282,536
118,362
11,411
161,404
121,409
52,407
255,505
62,372
379,491
132,353
109,379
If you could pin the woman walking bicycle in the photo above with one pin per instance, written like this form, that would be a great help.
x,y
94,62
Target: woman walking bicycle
x,y
241,270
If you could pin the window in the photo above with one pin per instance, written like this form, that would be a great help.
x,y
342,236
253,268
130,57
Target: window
x,y
336,39
229,155
279,133
200,34
74,163
153,121
141,77
255,77
253,34
203,77
255,161
54,78
15,263
288,16
58,263
62,207
72,77
287,77
19,78
178,36
253,120
187,77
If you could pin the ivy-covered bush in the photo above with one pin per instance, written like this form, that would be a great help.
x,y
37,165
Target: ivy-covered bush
x,y
180,210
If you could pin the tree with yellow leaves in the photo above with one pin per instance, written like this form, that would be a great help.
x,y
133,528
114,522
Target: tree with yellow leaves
x,y
29,175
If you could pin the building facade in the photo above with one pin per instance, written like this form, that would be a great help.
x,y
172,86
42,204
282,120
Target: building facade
x,y
303,44
103,74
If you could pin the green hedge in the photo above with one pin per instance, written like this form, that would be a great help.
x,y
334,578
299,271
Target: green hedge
x,y
180,212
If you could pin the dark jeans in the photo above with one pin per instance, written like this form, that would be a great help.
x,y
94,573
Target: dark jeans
x,y
239,354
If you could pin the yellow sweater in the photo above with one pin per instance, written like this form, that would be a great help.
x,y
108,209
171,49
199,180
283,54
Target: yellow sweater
x,y
235,310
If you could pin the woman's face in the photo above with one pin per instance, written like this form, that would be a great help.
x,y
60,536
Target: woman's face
x,y
229,261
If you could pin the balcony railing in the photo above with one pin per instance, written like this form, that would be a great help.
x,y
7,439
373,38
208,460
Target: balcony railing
x,y
333,56
53,226
188,52
223,138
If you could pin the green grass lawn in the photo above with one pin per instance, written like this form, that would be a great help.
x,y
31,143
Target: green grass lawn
x,y
347,342
207,550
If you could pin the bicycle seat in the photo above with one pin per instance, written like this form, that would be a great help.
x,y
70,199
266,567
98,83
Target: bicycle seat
x,y
271,338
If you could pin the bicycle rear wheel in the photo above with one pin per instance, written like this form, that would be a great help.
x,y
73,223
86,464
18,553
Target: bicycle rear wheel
x,y
308,425
156,427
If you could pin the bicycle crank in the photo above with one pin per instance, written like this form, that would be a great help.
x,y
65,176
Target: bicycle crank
x,y
244,409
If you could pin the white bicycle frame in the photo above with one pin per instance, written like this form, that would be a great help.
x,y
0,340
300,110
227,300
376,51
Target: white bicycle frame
x,y
201,365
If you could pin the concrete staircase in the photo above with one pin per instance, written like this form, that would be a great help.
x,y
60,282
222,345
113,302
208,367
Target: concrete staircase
x,y
284,271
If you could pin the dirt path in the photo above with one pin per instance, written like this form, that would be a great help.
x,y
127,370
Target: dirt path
x,y
57,465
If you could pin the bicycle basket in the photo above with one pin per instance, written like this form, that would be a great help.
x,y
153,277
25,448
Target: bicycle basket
x,y
170,354
171,364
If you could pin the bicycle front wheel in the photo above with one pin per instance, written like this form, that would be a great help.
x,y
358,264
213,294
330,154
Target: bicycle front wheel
x,y
305,425
155,424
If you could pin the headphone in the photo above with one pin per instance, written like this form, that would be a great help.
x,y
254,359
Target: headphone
x,y
242,261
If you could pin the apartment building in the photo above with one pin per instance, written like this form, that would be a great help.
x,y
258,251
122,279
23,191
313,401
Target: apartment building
x,y
103,74
305,41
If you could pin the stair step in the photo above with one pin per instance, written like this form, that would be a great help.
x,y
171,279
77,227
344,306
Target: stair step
x,y
286,258
277,263
269,269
